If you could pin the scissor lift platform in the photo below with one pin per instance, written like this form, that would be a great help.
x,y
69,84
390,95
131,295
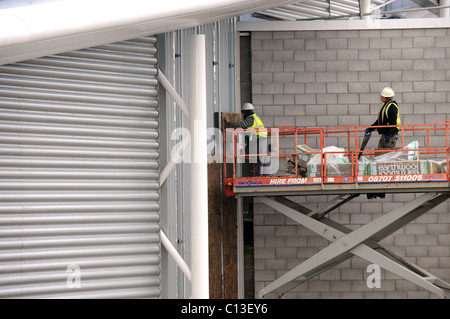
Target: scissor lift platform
x,y
338,189
432,189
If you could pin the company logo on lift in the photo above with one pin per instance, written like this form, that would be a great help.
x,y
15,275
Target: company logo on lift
x,y
250,183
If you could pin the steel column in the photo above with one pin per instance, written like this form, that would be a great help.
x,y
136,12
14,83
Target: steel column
x,y
198,168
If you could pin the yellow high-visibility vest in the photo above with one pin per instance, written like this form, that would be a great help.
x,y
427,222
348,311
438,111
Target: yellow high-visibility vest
x,y
257,123
398,113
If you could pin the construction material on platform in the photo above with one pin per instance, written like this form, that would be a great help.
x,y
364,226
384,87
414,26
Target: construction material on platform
x,y
382,151
333,170
402,162
304,154
363,165
337,164
400,168
367,168
333,155
442,166
290,167
410,153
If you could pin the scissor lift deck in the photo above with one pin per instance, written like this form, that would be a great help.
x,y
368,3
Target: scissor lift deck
x,y
341,189
433,189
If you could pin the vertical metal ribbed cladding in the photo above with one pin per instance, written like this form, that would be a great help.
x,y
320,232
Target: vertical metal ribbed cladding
x,y
79,169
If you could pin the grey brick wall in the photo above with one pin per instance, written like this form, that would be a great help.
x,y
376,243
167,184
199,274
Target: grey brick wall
x,y
334,78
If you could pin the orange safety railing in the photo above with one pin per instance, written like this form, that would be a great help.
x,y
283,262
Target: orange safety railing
x,y
425,161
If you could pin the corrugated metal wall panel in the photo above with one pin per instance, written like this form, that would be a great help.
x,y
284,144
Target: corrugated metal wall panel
x,y
79,169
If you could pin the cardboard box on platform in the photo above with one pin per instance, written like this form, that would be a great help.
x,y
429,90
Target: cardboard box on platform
x,y
303,156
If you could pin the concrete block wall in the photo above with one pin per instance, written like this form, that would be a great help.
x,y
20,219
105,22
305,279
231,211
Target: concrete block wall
x,y
334,78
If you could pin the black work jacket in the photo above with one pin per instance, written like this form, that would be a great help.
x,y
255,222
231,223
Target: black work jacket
x,y
387,118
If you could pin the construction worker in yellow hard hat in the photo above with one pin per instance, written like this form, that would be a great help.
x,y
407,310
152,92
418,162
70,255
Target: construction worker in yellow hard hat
x,y
389,115
252,121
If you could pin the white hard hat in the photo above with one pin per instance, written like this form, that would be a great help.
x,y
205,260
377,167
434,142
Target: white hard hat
x,y
247,107
387,92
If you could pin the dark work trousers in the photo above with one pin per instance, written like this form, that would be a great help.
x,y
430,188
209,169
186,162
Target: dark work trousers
x,y
383,144
258,148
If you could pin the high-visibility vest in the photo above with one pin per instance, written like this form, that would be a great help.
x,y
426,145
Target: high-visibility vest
x,y
398,113
258,124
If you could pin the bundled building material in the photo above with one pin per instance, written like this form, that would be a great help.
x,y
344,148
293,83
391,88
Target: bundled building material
x,y
404,162
442,166
363,166
399,168
337,163
434,167
410,153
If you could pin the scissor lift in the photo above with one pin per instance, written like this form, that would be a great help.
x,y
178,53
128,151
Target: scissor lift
x,y
274,190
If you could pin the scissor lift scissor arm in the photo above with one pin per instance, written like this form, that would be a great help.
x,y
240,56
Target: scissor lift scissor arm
x,y
362,242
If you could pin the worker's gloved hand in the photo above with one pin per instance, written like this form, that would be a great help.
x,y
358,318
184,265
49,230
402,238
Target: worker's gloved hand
x,y
386,137
368,132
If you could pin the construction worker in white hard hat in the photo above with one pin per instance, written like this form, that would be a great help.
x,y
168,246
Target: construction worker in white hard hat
x,y
257,138
389,115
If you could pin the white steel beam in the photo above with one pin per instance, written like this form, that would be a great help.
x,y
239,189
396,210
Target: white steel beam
x,y
175,255
445,11
174,160
245,26
39,28
365,9
176,156
172,92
